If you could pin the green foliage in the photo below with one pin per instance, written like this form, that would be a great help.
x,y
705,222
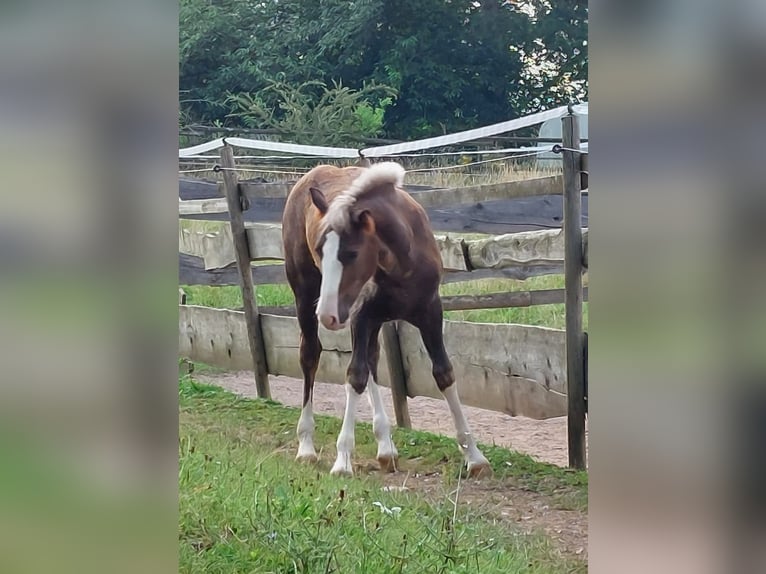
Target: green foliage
x,y
555,62
453,64
371,116
246,506
335,116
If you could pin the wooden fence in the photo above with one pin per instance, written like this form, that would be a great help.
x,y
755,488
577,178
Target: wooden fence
x,y
516,369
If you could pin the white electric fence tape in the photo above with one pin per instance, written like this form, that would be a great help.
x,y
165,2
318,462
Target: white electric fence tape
x,y
394,149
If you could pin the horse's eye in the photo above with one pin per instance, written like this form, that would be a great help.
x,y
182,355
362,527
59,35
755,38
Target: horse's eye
x,y
346,257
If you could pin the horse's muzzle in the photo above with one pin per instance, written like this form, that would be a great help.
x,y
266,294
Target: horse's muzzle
x,y
331,322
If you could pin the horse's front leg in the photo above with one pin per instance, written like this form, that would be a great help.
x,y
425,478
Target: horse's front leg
x,y
310,351
356,383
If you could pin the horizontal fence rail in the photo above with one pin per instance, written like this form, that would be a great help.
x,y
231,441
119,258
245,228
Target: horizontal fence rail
x,y
535,252
516,207
514,369
502,300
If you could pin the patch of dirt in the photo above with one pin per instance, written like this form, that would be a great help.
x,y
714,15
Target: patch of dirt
x,y
545,441
529,511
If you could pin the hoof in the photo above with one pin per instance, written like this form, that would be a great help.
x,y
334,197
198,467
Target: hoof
x,y
480,470
340,471
307,458
388,463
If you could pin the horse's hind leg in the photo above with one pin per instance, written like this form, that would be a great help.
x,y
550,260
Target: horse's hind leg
x,y
381,426
310,351
430,326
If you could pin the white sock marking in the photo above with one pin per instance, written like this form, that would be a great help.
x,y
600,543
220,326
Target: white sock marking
x,y
346,442
332,270
306,432
381,426
465,439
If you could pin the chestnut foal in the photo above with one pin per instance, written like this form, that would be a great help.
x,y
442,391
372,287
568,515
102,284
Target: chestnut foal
x,y
359,249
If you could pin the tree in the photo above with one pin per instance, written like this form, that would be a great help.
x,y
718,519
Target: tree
x,y
454,64
339,116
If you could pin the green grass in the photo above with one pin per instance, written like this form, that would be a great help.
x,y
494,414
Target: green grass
x,y
246,506
230,297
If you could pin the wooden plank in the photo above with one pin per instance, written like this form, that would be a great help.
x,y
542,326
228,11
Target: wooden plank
x,y
452,253
466,302
518,273
549,185
515,369
241,251
279,310
502,216
492,217
397,377
263,210
505,300
281,189
216,249
506,368
525,249
264,241
190,188
202,206
257,190
191,271
216,337
573,285
435,197
543,248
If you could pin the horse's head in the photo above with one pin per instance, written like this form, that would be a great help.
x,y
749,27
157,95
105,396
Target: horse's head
x,y
348,255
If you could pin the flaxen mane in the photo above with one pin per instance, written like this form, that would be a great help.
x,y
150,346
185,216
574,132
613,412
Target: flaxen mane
x,y
337,216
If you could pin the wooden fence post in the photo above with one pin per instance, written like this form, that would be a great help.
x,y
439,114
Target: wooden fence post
x,y
396,374
234,199
573,287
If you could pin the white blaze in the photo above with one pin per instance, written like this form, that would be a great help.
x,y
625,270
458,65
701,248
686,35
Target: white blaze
x,y
331,275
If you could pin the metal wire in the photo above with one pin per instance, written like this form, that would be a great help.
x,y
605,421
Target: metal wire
x,y
477,162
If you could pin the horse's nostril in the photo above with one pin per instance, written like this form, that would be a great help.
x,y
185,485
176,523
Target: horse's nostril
x,y
329,321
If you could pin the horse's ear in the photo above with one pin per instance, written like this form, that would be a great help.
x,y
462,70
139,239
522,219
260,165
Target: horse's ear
x,y
364,221
318,199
